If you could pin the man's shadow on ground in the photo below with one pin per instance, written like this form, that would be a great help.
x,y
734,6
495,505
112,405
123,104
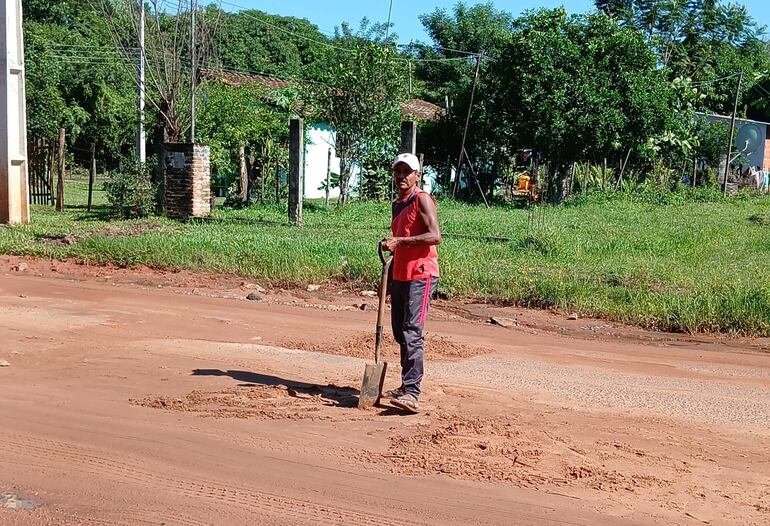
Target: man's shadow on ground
x,y
345,397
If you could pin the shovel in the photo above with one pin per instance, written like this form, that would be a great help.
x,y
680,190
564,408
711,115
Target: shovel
x,y
374,374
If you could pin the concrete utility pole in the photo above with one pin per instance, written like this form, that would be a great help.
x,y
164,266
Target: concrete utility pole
x,y
141,152
14,177
91,175
387,26
194,7
732,131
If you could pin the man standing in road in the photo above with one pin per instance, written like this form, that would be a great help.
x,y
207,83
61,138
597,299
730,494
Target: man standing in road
x,y
415,273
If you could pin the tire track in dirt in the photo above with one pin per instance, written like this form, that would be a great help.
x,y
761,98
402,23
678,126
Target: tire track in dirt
x,y
59,518
91,463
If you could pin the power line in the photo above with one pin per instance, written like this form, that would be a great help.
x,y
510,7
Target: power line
x,y
759,86
247,14
87,47
80,54
81,58
762,93
410,44
96,57
262,74
700,82
437,47
89,60
279,28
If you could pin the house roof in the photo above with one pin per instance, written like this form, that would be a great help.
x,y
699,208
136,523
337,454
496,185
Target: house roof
x,y
421,110
239,79
417,109
729,117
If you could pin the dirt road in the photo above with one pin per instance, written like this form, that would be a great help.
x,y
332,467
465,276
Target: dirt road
x,y
137,397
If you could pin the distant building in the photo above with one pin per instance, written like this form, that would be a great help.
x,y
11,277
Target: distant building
x,y
751,139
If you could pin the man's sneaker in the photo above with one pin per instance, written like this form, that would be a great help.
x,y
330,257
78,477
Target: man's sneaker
x,y
398,392
406,402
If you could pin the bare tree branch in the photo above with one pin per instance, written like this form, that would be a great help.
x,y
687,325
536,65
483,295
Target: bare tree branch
x,y
167,52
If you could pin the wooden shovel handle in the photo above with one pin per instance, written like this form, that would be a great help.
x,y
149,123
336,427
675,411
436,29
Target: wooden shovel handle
x,y
382,294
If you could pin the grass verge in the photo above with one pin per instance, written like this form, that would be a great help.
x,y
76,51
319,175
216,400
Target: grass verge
x,y
695,264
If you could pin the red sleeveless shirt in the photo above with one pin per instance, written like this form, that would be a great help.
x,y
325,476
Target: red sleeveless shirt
x,y
412,263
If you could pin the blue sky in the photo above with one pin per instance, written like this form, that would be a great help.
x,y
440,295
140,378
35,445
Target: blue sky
x,y
327,15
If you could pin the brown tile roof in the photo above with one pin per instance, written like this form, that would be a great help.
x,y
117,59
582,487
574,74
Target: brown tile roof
x,y
421,110
238,79
417,109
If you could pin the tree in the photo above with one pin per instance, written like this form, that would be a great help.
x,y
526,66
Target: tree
x,y
368,31
251,41
359,94
448,76
245,119
705,40
75,79
168,51
577,88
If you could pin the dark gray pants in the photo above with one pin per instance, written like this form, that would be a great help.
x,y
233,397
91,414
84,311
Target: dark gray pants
x,y
409,310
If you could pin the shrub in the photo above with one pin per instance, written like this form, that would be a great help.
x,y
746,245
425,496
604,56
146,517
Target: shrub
x,y
130,192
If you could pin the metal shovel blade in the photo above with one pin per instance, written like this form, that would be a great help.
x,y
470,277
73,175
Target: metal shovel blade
x,y
371,387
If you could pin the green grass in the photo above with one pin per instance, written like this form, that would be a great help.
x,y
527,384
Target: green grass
x,y
696,264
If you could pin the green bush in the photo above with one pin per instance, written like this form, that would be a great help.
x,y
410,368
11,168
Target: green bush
x,y
130,192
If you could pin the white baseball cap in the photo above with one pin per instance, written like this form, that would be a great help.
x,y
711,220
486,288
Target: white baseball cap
x,y
409,159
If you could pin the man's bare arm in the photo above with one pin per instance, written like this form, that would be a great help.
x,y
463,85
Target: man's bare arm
x,y
429,216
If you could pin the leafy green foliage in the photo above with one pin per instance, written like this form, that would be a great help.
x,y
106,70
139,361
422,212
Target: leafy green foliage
x,y
478,28
252,41
585,88
359,95
574,88
704,40
129,191
75,79
230,116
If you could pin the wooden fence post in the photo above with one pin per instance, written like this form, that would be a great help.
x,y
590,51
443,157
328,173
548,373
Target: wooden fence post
x,y
243,173
277,184
694,171
296,169
604,175
60,182
328,175
51,160
408,137
92,175
422,168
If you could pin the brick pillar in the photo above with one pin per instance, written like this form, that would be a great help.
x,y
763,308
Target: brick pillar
x,y
188,180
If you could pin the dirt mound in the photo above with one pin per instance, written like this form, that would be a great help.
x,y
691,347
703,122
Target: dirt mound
x,y
125,230
273,402
361,345
481,448
502,449
131,229
59,239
